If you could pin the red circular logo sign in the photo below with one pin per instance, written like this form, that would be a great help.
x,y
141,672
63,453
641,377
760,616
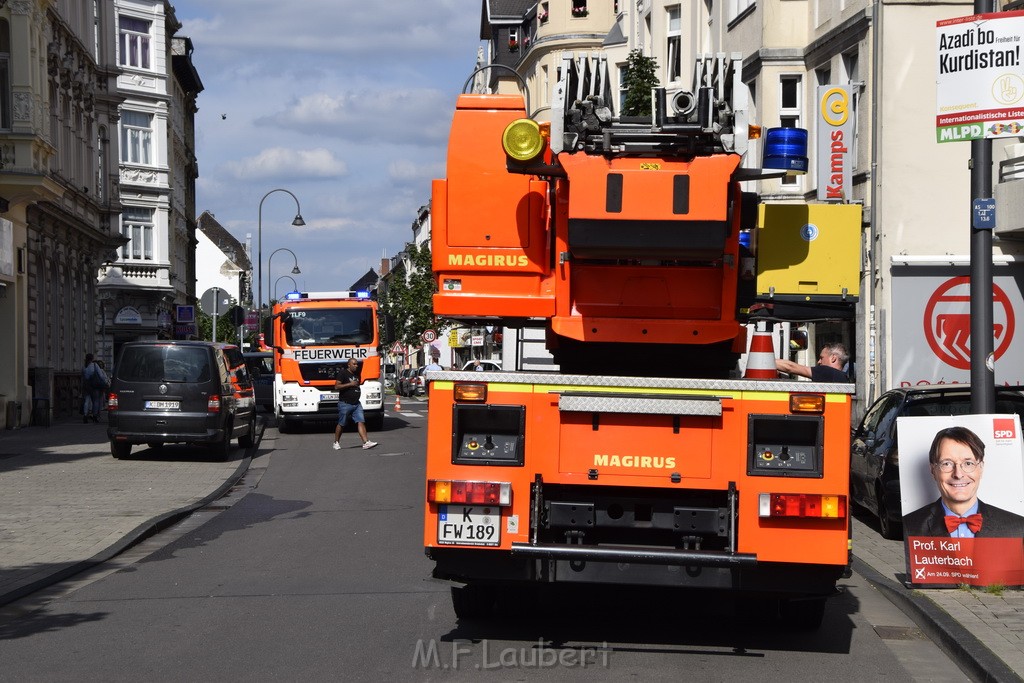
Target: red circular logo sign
x,y
947,322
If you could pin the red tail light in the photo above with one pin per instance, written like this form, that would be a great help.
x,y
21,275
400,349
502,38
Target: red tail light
x,y
213,405
111,401
469,492
814,505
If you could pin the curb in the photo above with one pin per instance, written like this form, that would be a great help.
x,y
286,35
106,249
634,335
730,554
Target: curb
x,y
139,533
976,660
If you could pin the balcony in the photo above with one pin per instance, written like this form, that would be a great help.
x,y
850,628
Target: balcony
x,y
129,275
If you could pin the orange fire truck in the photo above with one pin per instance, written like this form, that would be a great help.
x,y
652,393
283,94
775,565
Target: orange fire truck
x,y
313,335
647,459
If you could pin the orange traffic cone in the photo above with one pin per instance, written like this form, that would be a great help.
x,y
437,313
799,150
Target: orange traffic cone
x,y
761,356
398,403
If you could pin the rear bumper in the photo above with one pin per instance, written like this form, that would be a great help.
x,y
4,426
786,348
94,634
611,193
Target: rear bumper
x,y
210,436
718,571
145,427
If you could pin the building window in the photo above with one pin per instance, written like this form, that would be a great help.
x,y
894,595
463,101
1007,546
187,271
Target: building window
x,y
790,113
738,7
579,8
5,75
852,69
137,226
136,137
674,40
622,88
134,42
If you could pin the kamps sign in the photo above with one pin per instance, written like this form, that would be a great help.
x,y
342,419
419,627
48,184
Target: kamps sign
x,y
835,143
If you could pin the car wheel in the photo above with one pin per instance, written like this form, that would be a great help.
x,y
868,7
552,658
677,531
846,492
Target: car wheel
x,y
249,438
222,448
890,529
120,449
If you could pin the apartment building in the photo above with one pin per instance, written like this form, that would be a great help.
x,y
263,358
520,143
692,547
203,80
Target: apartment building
x,y
915,192
58,202
153,270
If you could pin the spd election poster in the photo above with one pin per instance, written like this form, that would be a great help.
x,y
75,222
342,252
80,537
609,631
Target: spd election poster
x,y
962,492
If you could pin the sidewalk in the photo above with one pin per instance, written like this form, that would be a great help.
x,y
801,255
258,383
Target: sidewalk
x,y
67,505
983,632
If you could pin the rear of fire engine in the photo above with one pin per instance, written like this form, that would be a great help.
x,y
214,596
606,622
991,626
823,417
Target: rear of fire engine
x,y
648,459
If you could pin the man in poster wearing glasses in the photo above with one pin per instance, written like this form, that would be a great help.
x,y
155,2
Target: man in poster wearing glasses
x,y
957,461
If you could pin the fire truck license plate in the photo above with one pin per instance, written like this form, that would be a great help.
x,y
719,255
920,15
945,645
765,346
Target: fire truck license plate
x,y
329,396
465,525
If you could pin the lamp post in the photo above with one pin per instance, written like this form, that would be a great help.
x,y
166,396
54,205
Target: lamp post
x,y
270,259
259,246
283,277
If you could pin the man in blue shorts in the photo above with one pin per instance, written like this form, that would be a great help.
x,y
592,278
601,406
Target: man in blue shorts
x,y
347,386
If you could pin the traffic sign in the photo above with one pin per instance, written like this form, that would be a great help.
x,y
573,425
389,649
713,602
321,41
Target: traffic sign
x,y
398,349
215,301
429,335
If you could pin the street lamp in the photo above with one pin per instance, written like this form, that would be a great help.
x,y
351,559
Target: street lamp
x,y
289,277
270,259
259,245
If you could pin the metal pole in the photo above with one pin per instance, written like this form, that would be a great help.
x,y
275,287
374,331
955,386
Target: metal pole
x,y
216,306
982,357
259,249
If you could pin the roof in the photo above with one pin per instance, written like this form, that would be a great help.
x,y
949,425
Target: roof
x,y
224,240
367,281
502,12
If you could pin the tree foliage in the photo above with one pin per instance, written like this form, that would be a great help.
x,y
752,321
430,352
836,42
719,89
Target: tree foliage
x,y
226,330
408,300
639,77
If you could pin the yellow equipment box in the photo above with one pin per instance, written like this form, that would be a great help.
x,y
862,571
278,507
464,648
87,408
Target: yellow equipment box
x,y
808,252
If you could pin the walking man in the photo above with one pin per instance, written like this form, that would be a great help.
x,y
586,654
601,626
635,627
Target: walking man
x,y
347,386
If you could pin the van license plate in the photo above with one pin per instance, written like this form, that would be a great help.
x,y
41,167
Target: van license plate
x,y
163,405
465,525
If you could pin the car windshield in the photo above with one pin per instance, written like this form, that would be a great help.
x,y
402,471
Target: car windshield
x,y
164,364
959,405
328,326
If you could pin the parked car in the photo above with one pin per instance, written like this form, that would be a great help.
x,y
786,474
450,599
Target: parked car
x,y
261,371
485,365
180,392
874,456
404,385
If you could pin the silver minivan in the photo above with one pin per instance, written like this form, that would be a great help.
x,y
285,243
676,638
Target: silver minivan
x,y
180,392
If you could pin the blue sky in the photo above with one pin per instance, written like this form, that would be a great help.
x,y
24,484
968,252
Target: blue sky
x,y
345,104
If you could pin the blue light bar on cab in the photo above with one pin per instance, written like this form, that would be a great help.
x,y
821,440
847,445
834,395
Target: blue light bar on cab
x,y
293,295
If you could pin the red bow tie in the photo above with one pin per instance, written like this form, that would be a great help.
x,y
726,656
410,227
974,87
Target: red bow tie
x,y
973,522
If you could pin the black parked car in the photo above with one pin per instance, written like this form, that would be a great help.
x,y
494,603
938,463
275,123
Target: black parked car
x,y
180,392
874,456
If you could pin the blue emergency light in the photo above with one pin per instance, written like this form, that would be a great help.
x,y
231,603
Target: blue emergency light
x,y
785,149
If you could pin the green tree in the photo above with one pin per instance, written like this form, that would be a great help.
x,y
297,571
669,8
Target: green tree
x,y
226,330
639,77
408,301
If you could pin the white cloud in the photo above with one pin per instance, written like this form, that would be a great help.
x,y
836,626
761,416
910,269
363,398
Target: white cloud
x,y
278,161
346,105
